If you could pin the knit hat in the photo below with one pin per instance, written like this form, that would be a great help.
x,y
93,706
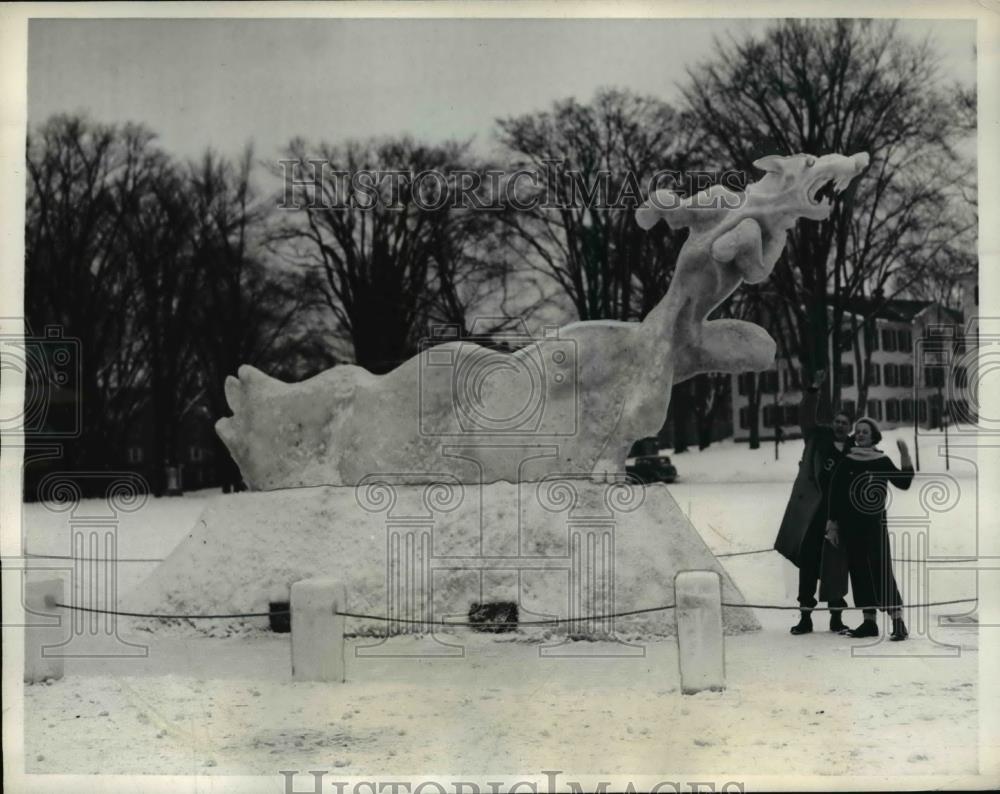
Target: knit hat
x,y
876,432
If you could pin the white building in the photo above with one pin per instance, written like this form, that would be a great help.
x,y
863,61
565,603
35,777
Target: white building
x,y
905,381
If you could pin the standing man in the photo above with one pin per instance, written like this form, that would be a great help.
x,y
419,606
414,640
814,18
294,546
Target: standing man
x,y
801,537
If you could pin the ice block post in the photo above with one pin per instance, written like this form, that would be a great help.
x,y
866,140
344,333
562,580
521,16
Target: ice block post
x,y
699,631
317,631
40,602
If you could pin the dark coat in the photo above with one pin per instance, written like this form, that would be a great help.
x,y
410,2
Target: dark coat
x,y
857,503
806,503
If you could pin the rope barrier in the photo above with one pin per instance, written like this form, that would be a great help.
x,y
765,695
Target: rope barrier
x,y
172,616
743,553
466,624
384,618
91,559
894,559
544,622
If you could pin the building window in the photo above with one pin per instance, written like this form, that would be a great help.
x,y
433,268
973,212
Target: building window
x,y
744,418
847,374
875,409
195,453
874,340
847,406
135,454
961,377
904,341
906,412
905,374
743,383
891,375
934,411
922,410
888,340
892,410
790,415
874,375
768,416
934,377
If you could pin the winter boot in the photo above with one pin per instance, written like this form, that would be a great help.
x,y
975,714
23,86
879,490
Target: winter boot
x,y
899,631
805,624
836,622
868,628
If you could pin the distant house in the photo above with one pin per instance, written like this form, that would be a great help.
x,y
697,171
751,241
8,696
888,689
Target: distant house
x,y
905,384
200,460
197,449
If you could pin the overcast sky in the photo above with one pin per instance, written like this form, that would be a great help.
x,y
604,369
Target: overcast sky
x,y
221,83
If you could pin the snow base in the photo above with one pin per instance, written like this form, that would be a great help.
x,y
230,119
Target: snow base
x,y
558,549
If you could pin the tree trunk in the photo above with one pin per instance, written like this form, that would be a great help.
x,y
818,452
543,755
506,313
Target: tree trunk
x,y
704,408
753,410
680,404
862,362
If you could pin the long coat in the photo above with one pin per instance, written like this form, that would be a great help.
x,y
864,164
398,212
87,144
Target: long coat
x,y
806,503
857,503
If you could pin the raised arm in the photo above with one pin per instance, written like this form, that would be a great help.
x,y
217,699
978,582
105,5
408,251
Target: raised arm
x,y
901,477
809,407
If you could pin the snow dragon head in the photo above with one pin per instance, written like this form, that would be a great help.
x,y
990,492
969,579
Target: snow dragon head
x,y
802,185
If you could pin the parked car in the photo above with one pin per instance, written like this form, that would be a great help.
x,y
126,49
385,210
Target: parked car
x,y
647,463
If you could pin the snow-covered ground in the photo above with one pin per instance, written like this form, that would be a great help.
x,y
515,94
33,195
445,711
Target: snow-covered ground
x,y
792,706
818,704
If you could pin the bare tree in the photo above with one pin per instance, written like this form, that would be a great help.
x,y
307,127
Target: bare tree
x,y
162,274
390,254
573,221
250,309
251,305
917,241
82,179
157,226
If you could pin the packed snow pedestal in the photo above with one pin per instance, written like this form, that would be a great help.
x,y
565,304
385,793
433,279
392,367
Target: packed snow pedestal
x,y
563,549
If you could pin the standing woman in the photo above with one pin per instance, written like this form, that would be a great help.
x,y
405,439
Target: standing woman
x,y
857,520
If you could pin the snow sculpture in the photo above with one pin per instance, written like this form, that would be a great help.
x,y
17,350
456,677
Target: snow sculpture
x,y
569,402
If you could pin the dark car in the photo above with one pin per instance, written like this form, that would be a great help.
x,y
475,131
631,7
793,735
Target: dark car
x,y
647,463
